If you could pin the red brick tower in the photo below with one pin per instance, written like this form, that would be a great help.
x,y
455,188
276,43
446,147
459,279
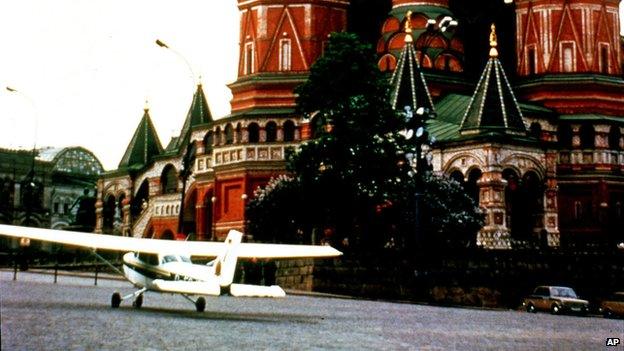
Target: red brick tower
x,y
279,41
569,57
564,41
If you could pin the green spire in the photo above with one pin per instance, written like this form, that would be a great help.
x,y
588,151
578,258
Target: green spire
x,y
199,113
493,107
408,84
143,146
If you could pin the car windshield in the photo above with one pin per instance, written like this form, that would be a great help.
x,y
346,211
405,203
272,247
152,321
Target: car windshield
x,y
563,292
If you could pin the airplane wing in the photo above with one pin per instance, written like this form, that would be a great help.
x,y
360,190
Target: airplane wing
x,y
192,248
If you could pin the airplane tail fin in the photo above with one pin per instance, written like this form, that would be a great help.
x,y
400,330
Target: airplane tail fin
x,y
226,261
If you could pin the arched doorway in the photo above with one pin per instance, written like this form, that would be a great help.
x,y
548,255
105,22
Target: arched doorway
x,y
108,214
188,216
523,201
471,186
141,197
208,220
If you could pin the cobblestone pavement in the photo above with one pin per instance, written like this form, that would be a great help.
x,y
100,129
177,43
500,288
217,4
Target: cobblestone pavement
x,y
75,315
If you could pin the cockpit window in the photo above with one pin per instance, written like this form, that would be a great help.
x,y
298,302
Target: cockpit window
x,y
169,258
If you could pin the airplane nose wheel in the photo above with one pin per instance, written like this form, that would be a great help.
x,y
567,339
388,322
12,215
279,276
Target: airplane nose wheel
x,y
200,304
138,302
115,300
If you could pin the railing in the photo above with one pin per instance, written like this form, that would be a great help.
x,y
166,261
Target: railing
x,y
232,154
586,157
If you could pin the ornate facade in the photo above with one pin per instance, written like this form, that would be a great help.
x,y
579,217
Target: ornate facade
x,y
542,154
279,41
542,157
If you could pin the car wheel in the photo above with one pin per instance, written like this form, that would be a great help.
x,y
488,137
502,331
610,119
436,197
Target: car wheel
x,y
531,308
555,309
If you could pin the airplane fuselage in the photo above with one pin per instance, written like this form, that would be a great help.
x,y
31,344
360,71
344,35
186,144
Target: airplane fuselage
x,y
142,270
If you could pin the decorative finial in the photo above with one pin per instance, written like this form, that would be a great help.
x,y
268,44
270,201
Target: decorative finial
x,y
146,106
408,27
493,42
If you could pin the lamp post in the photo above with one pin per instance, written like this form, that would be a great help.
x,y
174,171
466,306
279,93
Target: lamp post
x,y
435,27
415,131
188,158
188,65
29,179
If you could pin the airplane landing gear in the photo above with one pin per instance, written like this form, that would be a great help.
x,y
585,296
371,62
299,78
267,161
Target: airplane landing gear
x,y
115,300
138,298
200,304
138,301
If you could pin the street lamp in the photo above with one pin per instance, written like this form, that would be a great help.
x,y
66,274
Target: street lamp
x,y
188,158
434,27
30,186
416,132
188,65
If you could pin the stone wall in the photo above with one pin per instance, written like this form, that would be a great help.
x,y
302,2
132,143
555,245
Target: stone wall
x,y
472,278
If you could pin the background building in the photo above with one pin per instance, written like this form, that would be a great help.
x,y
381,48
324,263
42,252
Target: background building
x,y
50,190
534,132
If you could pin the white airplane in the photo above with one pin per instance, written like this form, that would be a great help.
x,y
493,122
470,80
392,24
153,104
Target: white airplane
x,y
165,265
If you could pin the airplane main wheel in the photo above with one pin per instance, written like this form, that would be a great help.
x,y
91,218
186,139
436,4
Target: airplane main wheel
x,y
138,302
115,300
200,304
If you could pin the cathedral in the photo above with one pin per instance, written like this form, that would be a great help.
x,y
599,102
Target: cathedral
x,y
539,147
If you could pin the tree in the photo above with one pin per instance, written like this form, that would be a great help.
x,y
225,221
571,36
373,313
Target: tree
x,y
351,181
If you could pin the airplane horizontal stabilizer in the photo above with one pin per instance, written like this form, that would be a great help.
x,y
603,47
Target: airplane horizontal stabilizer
x,y
245,290
184,287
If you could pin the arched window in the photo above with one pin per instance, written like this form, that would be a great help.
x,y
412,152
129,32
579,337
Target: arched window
x,y
289,130
472,188
208,141
536,130
108,214
457,176
169,180
217,136
140,199
271,132
238,134
564,135
285,54
588,136
614,138
229,134
254,132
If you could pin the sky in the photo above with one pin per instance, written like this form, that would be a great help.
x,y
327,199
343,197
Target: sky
x,y
83,69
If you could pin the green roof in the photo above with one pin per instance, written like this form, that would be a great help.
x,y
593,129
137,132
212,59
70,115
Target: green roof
x,y
199,113
451,109
143,146
408,84
493,107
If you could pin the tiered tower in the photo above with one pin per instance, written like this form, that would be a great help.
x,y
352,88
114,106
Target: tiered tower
x,y
438,51
569,55
571,41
